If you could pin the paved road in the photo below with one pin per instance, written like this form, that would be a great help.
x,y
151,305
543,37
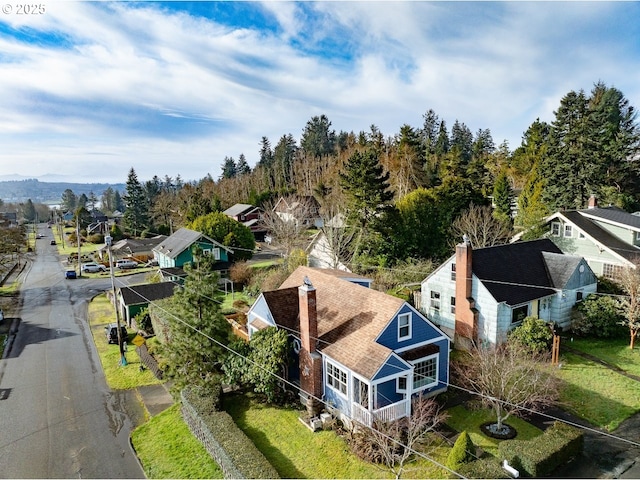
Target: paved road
x,y
58,418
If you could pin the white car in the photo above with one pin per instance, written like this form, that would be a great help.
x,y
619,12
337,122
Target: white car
x,y
93,267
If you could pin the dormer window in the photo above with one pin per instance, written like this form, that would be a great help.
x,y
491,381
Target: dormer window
x,y
404,326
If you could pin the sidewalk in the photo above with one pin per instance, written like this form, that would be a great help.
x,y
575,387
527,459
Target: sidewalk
x,y
156,398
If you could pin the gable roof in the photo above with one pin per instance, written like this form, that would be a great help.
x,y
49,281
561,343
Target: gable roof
x,y
600,235
181,240
239,209
146,293
517,272
613,215
350,317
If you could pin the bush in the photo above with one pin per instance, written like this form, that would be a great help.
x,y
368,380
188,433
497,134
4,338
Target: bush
x,y
241,272
463,451
534,334
598,316
96,238
540,456
483,468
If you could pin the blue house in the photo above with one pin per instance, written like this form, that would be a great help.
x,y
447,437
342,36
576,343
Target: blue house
x,y
359,353
177,249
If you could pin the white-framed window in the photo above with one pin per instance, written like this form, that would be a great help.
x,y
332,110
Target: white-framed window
x,y
453,272
425,372
453,304
404,326
555,229
336,378
568,230
401,384
435,300
518,314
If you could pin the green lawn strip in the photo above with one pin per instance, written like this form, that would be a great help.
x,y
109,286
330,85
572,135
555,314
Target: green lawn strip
x,y
596,393
296,452
167,449
615,352
118,377
462,419
229,299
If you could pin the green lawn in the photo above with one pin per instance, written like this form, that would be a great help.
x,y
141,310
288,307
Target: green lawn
x,y
613,351
167,449
596,393
296,452
462,419
118,377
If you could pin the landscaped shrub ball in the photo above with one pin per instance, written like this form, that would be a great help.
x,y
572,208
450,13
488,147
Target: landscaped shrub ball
x,y
463,451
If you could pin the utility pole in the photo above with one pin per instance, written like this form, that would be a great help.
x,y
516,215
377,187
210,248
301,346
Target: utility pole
x,y
78,241
123,359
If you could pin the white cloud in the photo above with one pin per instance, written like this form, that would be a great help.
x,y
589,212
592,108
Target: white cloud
x,y
119,85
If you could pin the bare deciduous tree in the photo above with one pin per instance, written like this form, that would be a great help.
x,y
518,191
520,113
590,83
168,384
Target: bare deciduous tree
x,y
629,280
508,379
288,226
481,227
395,443
335,242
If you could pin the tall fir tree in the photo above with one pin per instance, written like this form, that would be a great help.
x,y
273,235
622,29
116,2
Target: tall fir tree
x,y
502,198
136,213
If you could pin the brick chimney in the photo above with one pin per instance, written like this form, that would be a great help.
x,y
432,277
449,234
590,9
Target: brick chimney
x,y
593,201
310,359
466,313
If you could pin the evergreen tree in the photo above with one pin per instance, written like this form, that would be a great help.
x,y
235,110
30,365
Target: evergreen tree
x,y
82,201
197,329
283,157
502,198
429,132
266,154
92,201
68,201
29,213
229,168
318,140
531,208
136,213
462,138
108,200
118,201
243,167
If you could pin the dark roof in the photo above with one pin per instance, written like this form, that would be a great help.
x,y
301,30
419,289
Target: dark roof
x,y
239,209
137,294
173,272
613,215
517,272
599,234
181,240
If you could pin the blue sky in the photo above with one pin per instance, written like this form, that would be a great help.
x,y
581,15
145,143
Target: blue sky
x,y
91,89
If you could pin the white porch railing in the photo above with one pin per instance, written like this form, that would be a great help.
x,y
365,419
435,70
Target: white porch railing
x,y
386,414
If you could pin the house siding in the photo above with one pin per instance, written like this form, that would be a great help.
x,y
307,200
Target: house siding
x,y
386,394
393,367
440,282
421,331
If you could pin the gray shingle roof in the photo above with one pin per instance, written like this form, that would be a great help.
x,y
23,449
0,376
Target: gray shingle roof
x,y
238,209
181,240
614,215
139,294
517,272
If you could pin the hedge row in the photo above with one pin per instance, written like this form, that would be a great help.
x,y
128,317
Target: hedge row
x,y
234,452
540,456
489,467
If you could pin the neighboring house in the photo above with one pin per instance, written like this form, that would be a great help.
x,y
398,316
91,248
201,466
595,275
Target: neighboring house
x,y
305,208
132,300
8,219
480,295
177,250
321,252
360,352
140,249
250,217
608,238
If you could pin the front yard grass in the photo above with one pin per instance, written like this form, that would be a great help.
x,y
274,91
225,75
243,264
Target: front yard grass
x,y
167,449
614,351
462,419
118,377
296,452
596,393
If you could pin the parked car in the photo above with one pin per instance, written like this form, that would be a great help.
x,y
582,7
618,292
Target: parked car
x,y
124,264
93,267
53,242
111,332
70,274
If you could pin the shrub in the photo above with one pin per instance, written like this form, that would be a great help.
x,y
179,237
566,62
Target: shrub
x,y
540,456
598,316
483,468
240,272
463,451
534,334
96,238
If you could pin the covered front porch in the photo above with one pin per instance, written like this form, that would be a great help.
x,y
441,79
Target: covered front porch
x,y
365,408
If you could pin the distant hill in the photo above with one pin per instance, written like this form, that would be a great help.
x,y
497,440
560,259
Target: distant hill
x,y
49,192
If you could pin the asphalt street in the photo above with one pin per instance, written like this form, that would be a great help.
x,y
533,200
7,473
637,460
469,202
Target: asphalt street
x,y
58,418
